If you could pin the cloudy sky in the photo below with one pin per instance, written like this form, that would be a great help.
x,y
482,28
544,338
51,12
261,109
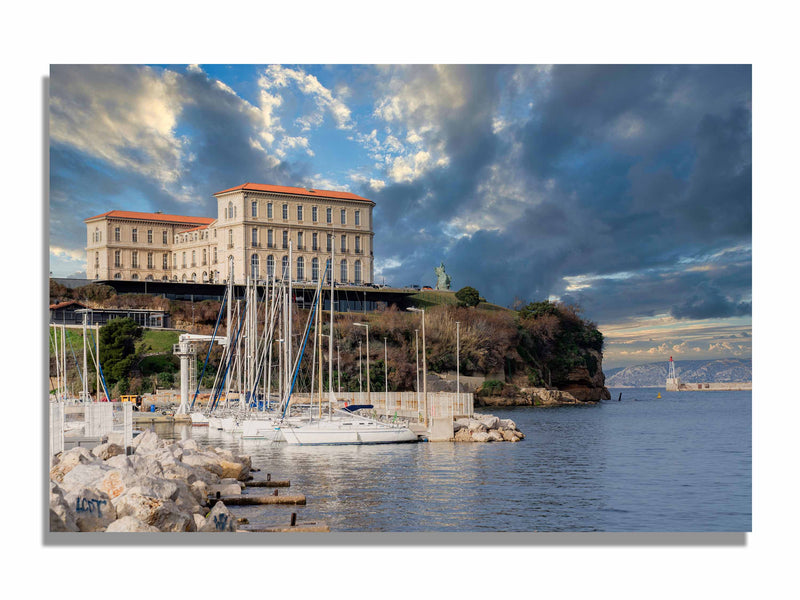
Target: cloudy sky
x,y
624,189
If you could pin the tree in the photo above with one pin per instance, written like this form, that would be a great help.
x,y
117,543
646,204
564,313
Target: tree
x,y
117,348
468,296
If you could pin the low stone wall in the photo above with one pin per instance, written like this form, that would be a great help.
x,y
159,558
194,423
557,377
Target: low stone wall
x,y
160,487
486,428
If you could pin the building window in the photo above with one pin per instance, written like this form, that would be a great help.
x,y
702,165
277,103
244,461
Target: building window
x,y
116,234
358,244
270,266
314,269
269,238
254,236
134,276
96,260
357,272
343,214
269,210
164,237
230,238
164,263
285,212
149,260
299,240
205,256
215,255
254,266
134,260
284,267
329,215
299,212
314,241
184,260
254,209
117,276
314,214
134,235
230,210
175,260
343,271
285,240
358,217
194,262
300,268
344,243
149,236
330,241
328,271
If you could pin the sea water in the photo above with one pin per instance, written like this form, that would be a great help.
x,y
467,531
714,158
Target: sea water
x,y
681,462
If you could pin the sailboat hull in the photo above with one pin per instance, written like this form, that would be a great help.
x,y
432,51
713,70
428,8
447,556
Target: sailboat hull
x,y
324,433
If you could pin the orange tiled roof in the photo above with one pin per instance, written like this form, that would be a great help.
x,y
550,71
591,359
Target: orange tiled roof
x,y
143,216
297,191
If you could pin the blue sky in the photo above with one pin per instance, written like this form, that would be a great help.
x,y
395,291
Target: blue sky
x,y
625,189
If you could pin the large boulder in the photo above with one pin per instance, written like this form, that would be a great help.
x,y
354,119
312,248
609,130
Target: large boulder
x,y
163,514
130,524
219,519
481,436
507,424
463,435
146,442
84,475
490,421
107,450
495,436
475,426
62,518
147,465
69,460
91,508
205,460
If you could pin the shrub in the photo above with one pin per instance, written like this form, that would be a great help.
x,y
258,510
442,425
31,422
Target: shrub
x,y
468,296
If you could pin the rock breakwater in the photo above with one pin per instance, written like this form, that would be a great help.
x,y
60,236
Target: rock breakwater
x,y
161,486
486,428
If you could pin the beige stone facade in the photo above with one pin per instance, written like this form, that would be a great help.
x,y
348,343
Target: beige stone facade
x,y
255,225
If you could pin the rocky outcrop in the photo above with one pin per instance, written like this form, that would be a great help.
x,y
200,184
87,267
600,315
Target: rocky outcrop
x,y
161,487
486,428
584,386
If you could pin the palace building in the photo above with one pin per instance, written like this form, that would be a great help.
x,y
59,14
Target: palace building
x,y
255,225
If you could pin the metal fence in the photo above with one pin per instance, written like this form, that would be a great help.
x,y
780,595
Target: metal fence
x,y
110,418
412,405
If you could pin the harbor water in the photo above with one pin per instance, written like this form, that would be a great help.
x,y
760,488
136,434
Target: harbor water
x,y
679,463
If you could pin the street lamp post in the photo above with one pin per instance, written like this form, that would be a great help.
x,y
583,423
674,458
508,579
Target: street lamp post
x,y
385,378
359,371
416,344
424,364
458,365
369,397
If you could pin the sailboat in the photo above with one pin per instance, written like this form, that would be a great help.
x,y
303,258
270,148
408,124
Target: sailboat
x,y
340,427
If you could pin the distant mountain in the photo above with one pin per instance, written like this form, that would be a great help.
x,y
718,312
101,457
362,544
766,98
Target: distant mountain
x,y
689,371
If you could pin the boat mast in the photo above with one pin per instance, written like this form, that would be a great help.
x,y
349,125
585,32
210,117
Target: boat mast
x,y
330,337
85,393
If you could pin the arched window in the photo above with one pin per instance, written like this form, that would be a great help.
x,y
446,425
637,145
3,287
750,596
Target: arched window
x,y
165,278
230,210
230,238
194,276
134,276
183,278
254,266
205,255
343,271
314,269
300,268
285,267
149,278
205,277
270,266
117,276
357,271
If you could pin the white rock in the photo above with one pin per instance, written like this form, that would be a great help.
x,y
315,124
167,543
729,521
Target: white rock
x,y
69,460
92,509
476,426
219,519
130,524
507,424
61,517
84,475
106,451
495,436
162,514
490,421
481,436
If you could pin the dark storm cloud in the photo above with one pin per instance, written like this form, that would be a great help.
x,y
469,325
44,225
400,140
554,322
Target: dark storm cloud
x,y
647,165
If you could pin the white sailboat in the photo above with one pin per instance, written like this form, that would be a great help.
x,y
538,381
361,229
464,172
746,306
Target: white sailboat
x,y
341,427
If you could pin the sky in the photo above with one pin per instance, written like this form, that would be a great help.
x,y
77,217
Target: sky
x,y
624,189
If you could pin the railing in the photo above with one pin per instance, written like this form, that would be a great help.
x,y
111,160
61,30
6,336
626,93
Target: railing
x,y
408,405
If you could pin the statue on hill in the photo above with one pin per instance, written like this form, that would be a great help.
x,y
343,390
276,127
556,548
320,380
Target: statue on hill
x,y
442,278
